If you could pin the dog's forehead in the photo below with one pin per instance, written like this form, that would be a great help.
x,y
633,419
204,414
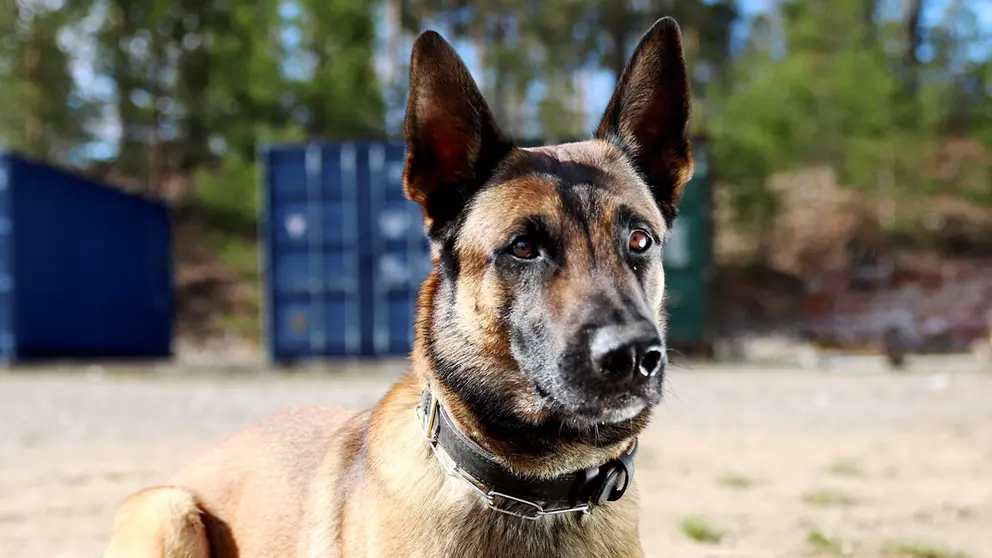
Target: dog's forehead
x,y
555,182
593,168
497,210
597,164
596,153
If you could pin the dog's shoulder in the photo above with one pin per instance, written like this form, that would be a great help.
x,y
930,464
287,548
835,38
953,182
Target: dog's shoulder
x,y
297,437
271,472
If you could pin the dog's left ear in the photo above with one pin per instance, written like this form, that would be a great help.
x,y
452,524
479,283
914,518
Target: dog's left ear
x,y
648,115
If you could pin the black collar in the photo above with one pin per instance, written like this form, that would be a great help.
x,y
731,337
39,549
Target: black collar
x,y
507,492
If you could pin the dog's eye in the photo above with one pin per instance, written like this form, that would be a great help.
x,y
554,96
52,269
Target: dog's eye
x,y
639,242
523,248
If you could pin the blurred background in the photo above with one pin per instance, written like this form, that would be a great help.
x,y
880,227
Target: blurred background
x,y
212,183
845,171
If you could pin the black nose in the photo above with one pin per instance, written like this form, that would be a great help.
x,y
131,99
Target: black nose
x,y
628,352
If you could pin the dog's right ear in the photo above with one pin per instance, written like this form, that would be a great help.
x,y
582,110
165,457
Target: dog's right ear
x,y
453,143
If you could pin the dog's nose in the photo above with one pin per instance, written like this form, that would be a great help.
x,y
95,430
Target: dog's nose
x,y
623,353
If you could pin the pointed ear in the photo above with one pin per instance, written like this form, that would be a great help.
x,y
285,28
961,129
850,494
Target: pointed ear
x,y
648,115
452,141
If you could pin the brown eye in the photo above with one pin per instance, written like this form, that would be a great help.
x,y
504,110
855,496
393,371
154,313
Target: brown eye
x,y
524,249
639,242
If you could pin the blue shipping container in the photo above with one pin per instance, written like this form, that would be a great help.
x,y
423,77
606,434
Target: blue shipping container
x,y
85,270
345,251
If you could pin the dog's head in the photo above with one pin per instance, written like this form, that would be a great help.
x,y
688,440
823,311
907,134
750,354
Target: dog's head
x,y
545,305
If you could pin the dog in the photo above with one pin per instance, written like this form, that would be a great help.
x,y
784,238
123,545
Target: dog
x,y
539,353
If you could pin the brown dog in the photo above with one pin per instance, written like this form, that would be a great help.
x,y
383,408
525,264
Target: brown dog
x,y
539,353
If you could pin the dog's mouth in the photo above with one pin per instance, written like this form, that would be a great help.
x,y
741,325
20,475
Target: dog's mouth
x,y
613,414
601,410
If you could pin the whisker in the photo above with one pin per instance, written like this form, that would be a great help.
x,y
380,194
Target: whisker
x,y
677,364
670,389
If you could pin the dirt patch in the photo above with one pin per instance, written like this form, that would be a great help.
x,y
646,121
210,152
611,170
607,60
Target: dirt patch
x,y
736,463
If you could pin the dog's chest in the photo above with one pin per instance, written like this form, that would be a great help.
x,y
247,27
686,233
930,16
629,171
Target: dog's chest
x,y
487,534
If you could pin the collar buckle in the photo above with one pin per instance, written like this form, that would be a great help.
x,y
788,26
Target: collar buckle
x,y
428,421
617,476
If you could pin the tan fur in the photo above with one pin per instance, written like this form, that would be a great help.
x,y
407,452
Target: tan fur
x,y
277,489
159,522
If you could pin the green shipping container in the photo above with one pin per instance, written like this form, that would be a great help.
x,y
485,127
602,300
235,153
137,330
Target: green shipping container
x,y
688,260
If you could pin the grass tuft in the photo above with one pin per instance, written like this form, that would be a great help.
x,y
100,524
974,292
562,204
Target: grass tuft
x,y
702,530
825,544
736,481
919,549
845,468
828,497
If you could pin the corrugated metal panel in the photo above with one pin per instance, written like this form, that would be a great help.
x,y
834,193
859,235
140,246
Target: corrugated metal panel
x,y
8,334
85,270
344,251
398,252
688,258
313,264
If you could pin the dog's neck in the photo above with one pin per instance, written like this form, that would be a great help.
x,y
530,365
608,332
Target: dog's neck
x,y
542,448
506,490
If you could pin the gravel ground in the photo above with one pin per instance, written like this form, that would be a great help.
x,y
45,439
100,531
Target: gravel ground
x,y
738,462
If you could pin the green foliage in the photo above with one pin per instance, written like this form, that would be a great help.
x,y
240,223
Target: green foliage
x,y
341,95
230,189
42,112
834,82
198,82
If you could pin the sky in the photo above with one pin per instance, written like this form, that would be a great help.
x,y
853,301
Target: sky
x,y
598,85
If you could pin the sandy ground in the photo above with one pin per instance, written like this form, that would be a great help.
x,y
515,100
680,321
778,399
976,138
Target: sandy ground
x,y
782,463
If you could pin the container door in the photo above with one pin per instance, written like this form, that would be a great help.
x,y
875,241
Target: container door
x,y
312,224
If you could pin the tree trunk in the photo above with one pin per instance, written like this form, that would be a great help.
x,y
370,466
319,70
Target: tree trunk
x,y
501,102
580,100
913,40
34,128
618,31
869,28
394,16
